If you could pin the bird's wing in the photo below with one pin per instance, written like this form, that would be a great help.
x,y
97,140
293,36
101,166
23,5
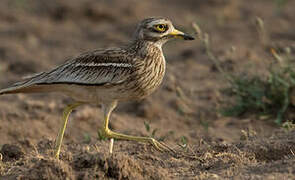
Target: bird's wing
x,y
110,66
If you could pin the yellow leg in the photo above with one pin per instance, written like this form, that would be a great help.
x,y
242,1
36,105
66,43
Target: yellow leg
x,y
108,108
61,132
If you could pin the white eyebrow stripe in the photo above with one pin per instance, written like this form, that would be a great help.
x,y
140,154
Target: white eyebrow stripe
x,y
104,64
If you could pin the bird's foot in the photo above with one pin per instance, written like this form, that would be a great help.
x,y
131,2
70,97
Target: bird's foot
x,y
160,146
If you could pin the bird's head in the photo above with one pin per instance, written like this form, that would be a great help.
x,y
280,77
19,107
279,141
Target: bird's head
x,y
158,30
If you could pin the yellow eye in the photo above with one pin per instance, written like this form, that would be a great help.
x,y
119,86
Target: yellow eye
x,y
160,27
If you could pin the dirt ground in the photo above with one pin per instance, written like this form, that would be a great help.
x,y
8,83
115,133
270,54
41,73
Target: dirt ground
x,y
38,35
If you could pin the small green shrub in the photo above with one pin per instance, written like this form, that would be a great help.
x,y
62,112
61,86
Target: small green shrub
x,y
268,95
153,132
101,135
265,96
280,3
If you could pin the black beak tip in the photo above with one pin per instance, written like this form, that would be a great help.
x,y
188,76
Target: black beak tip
x,y
188,37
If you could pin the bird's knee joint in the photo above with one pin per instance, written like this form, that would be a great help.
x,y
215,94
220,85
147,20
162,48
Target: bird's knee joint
x,y
152,140
107,132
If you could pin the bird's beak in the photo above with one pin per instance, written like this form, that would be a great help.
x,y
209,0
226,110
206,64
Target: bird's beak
x,y
178,34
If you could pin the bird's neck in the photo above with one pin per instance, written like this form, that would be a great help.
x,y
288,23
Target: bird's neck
x,y
145,48
150,66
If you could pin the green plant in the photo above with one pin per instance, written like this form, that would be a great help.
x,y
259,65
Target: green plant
x,y
280,4
152,132
148,129
205,125
147,126
183,142
22,4
267,95
101,135
87,138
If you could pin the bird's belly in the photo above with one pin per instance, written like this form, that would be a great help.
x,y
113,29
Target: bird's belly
x,y
96,94
80,93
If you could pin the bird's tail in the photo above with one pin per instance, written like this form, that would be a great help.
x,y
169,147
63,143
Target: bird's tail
x,y
24,89
9,90
28,85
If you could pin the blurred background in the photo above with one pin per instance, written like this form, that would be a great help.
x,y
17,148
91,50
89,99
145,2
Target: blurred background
x,y
223,95
39,35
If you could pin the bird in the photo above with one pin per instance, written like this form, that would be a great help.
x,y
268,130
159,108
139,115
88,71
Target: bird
x,y
108,76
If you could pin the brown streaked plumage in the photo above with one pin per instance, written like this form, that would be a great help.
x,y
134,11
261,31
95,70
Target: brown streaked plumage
x,y
108,76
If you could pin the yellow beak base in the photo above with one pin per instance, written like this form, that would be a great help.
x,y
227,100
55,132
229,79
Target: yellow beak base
x,y
179,34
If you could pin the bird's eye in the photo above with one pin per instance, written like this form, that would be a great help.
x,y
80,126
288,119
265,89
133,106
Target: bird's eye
x,y
160,27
